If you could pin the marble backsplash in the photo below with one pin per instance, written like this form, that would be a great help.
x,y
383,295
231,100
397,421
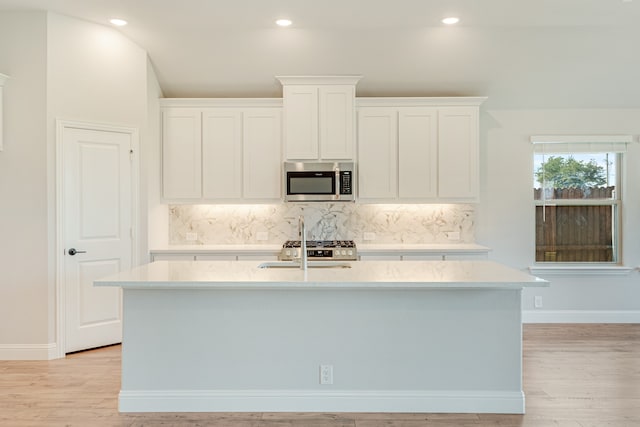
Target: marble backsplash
x,y
273,224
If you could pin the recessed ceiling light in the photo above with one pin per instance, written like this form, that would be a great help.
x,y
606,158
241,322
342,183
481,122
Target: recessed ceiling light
x,y
451,20
284,22
118,22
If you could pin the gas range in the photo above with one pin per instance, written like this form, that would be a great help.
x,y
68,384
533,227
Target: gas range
x,y
320,250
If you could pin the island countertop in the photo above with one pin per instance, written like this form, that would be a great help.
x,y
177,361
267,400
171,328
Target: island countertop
x,y
361,275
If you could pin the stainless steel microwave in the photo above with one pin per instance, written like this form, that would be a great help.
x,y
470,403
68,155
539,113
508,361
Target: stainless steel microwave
x,y
319,181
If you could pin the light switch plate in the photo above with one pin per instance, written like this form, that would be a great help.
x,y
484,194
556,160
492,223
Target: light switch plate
x,y
369,235
191,237
262,235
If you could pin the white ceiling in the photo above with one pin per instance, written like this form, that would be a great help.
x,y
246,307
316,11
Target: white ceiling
x,y
519,53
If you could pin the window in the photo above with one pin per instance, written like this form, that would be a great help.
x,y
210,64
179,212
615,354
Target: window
x,y
577,195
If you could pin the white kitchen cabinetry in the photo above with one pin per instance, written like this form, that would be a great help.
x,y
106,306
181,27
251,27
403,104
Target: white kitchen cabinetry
x,y
417,153
416,150
222,153
181,153
380,257
197,253
319,117
423,252
225,151
262,158
458,156
173,257
377,153
215,257
424,257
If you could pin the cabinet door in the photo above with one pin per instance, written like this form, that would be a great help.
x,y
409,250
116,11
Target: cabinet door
x,y
423,257
458,153
262,164
257,257
466,257
380,258
336,122
221,153
301,122
417,153
216,258
377,153
181,153
173,257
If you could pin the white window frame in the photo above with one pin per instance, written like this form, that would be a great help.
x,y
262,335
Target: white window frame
x,y
574,144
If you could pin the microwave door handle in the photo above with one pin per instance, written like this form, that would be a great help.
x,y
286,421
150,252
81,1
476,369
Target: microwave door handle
x,y
337,183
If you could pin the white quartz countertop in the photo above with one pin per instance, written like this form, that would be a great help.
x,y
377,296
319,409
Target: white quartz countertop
x,y
238,248
422,247
369,248
361,275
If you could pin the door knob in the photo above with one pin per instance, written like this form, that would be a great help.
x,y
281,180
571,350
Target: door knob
x,y
73,251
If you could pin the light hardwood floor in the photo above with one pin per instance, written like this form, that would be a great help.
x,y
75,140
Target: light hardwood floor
x,y
574,376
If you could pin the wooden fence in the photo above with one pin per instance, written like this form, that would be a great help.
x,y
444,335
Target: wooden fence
x,y
575,233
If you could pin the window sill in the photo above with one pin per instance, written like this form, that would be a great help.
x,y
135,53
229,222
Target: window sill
x,y
581,270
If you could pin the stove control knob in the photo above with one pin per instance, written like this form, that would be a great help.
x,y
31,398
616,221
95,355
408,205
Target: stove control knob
x,y
350,252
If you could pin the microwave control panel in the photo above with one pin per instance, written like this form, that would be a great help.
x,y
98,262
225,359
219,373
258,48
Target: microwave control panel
x,y
345,182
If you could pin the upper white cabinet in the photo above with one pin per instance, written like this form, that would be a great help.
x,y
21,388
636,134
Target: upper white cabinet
x,y
418,149
319,117
417,153
409,150
262,155
226,151
222,153
181,153
458,154
377,153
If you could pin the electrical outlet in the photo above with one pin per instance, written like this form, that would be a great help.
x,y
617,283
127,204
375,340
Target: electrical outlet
x,y
369,235
191,237
537,301
326,374
262,235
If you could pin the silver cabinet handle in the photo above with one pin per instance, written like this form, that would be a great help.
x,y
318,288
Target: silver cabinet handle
x,y
73,251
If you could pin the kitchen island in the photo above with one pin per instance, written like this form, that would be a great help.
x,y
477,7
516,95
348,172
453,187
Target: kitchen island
x,y
380,336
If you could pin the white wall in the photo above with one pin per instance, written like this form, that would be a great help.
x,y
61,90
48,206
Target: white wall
x,y
153,214
94,74
23,184
60,68
156,227
506,216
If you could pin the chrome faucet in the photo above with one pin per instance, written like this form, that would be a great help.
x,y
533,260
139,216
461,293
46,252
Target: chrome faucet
x,y
303,243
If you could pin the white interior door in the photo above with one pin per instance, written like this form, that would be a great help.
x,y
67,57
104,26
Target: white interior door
x,y
97,222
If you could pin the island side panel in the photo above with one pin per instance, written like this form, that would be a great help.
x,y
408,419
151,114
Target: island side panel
x,y
443,350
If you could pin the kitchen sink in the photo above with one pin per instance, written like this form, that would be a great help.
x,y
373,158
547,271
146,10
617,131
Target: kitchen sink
x,y
310,264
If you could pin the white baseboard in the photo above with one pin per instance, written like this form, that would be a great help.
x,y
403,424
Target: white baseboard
x,y
581,316
504,402
28,351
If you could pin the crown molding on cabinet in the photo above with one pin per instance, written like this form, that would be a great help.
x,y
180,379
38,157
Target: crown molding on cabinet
x,y
439,101
221,102
319,80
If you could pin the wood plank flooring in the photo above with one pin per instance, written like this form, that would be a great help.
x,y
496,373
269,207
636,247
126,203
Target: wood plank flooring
x,y
574,376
